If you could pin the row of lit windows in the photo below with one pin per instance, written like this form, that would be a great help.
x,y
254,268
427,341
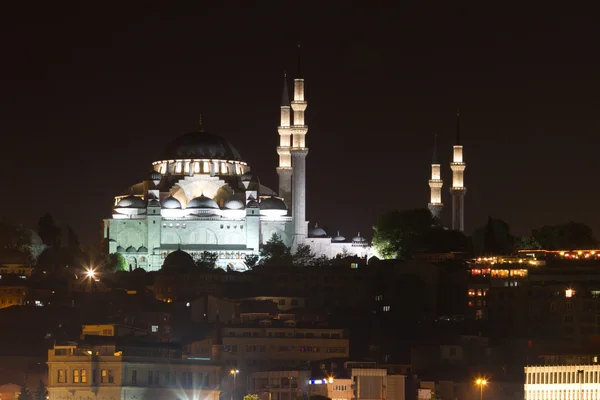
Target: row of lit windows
x,y
584,394
477,292
80,376
562,377
10,301
500,273
205,167
282,334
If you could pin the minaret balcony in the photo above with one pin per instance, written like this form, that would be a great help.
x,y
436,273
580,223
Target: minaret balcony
x,y
457,166
458,190
436,183
299,105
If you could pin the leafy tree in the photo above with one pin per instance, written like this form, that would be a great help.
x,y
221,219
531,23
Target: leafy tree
x,y
526,242
303,256
398,234
322,261
572,235
251,396
207,259
250,260
275,252
41,392
115,262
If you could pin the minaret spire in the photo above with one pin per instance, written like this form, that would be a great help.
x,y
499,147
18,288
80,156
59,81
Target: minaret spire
x,y
284,170
299,152
299,66
435,184
457,127
458,189
200,126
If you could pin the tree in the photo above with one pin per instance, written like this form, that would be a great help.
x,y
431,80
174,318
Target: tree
x,y
250,260
275,252
115,262
398,234
25,393
303,256
526,243
41,392
49,232
572,235
207,259
251,396
493,239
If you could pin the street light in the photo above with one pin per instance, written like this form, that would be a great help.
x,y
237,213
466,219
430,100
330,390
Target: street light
x,y
90,273
233,372
481,382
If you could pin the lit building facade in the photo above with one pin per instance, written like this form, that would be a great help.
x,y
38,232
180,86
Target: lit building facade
x,y
12,296
114,372
201,196
562,382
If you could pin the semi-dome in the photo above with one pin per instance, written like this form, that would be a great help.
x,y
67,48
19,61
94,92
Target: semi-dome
x,y
201,145
272,203
317,232
178,258
171,203
202,202
131,201
233,204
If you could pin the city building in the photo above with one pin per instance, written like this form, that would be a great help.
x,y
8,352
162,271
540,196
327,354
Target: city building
x,y
113,370
12,295
279,385
200,195
562,382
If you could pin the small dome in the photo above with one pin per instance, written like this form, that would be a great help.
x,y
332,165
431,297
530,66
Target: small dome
x,y
272,203
171,203
142,249
178,258
131,201
120,249
338,238
131,249
317,232
202,202
359,240
234,204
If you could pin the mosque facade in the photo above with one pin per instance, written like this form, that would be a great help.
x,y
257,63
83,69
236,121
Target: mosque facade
x,y
201,196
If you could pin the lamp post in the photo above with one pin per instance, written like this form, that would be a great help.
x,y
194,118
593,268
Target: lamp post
x,y
233,372
481,382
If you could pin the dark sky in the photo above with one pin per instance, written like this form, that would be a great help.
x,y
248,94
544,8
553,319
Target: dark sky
x,y
91,95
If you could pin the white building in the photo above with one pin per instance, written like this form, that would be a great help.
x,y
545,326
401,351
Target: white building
x,y
114,372
201,196
562,382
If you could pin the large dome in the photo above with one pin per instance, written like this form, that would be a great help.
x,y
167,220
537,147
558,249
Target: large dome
x,y
178,258
201,145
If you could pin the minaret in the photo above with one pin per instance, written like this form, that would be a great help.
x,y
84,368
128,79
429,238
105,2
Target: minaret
x,y
284,170
458,189
435,183
299,152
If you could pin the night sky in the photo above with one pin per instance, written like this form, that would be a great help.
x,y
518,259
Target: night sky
x,y
91,96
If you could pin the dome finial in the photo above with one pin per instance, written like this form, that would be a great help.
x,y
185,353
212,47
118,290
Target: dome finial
x,y
200,126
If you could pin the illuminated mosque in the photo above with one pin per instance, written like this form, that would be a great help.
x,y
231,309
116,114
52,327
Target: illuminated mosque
x,y
201,196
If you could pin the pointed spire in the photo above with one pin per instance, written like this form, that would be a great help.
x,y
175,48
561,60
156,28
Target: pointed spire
x,y
457,127
299,71
285,97
200,126
434,159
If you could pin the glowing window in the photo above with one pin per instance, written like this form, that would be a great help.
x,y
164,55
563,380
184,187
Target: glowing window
x,y
569,293
178,167
205,167
197,167
223,168
471,293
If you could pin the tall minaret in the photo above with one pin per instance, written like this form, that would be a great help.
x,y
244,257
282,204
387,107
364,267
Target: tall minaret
x,y
435,183
458,189
284,170
299,152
